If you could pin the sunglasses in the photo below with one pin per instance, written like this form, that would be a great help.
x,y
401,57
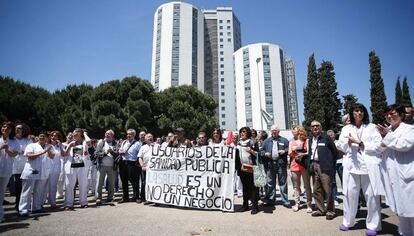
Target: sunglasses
x,y
315,126
390,113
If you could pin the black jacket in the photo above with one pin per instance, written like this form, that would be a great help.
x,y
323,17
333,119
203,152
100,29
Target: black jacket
x,y
327,152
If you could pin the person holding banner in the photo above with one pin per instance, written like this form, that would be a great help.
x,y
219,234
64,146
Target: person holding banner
x,y
144,155
246,159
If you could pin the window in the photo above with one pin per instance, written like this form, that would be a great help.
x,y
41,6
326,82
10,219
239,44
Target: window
x,y
221,33
228,33
222,101
222,93
221,53
221,66
229,40
221,45
223,115
222,79
223,123
220,21
221,27
223,108
221,59
221,40
222,86
228,21
228,27
221,72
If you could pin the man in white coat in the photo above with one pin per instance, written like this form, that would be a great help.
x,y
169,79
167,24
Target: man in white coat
x,y
398,169
76,168
34,175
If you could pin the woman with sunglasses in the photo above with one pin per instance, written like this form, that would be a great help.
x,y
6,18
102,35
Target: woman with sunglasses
x,y
398,170
7,154
361,169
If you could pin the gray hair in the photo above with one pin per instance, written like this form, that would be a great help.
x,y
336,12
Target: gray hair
x,y
132,131
275,127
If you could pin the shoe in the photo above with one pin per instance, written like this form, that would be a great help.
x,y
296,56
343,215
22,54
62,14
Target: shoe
x,y
343,228
98,202
317,213
147,203
139,201
336,203
1,220
109,200
124,200
254,211
59,197
38,211
243,208
371,232
295,208
268,204
53,206
330,216
85,206
309,210
287,205
24,215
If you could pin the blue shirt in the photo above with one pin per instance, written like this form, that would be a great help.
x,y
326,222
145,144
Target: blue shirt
x,y
132,153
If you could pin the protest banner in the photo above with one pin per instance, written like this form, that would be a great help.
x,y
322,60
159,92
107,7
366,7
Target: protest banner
x,y
200,177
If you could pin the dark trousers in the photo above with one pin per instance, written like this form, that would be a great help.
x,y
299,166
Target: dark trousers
x,y
129,171
18,189
249,190
143,181
323,185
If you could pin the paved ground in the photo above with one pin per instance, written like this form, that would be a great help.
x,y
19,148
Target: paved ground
x,y
137,219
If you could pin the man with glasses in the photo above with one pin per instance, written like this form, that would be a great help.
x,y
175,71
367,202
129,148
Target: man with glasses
x,y
201,139
322,159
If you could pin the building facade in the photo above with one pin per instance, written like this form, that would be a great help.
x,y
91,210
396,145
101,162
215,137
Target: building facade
x,y
222,38
292,99
260,83
178,46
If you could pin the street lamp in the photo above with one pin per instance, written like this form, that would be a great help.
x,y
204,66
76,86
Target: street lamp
x,y
260,96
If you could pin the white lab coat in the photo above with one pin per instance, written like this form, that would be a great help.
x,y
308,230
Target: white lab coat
x,y
370,155
398,169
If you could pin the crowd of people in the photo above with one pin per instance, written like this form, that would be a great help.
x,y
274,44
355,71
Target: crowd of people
x,y
372,160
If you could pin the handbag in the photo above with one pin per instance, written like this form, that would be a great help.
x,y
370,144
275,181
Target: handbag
x,y
259,174
246,168
301,160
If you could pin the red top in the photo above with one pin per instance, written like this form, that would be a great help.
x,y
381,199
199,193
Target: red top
x,y
296,143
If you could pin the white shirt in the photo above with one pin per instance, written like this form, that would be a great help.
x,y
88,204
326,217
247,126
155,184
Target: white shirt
x,y
314,149
36,168
145,153
20,159
107,160
275,150
6,162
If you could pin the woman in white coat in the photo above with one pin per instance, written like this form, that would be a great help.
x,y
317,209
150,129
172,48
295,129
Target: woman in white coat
x,y
55,163
34,175
361,169
7,154
398,168
76,168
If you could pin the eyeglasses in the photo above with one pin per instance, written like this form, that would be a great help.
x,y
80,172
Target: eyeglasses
x,y
315,126
201,137
243,131
390,113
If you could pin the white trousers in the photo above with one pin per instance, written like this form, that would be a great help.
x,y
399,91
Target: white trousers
x,y
355,183
51,188
406,226
81,175
29,186
3,186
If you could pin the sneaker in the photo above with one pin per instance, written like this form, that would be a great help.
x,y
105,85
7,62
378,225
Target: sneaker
x,y
39,211
85,206
309,210
371,232
336,203
98,202
139,201
24,215
147,203
295,208
330,216
343,228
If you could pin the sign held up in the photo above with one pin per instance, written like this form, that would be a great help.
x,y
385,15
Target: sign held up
x,y
200,177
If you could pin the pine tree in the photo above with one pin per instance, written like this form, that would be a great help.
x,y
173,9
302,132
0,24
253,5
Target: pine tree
x,y
311,95
330,104
398,92
378,98
349,100
406,98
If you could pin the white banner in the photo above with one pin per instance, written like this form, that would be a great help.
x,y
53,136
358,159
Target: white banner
x,y
199,177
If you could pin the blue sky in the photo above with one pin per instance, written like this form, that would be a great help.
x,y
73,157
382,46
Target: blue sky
x,y
52,43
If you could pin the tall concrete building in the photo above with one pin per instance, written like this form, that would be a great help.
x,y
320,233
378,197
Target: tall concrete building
x,y
292,99
178,46
194,47
222,38
261,92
